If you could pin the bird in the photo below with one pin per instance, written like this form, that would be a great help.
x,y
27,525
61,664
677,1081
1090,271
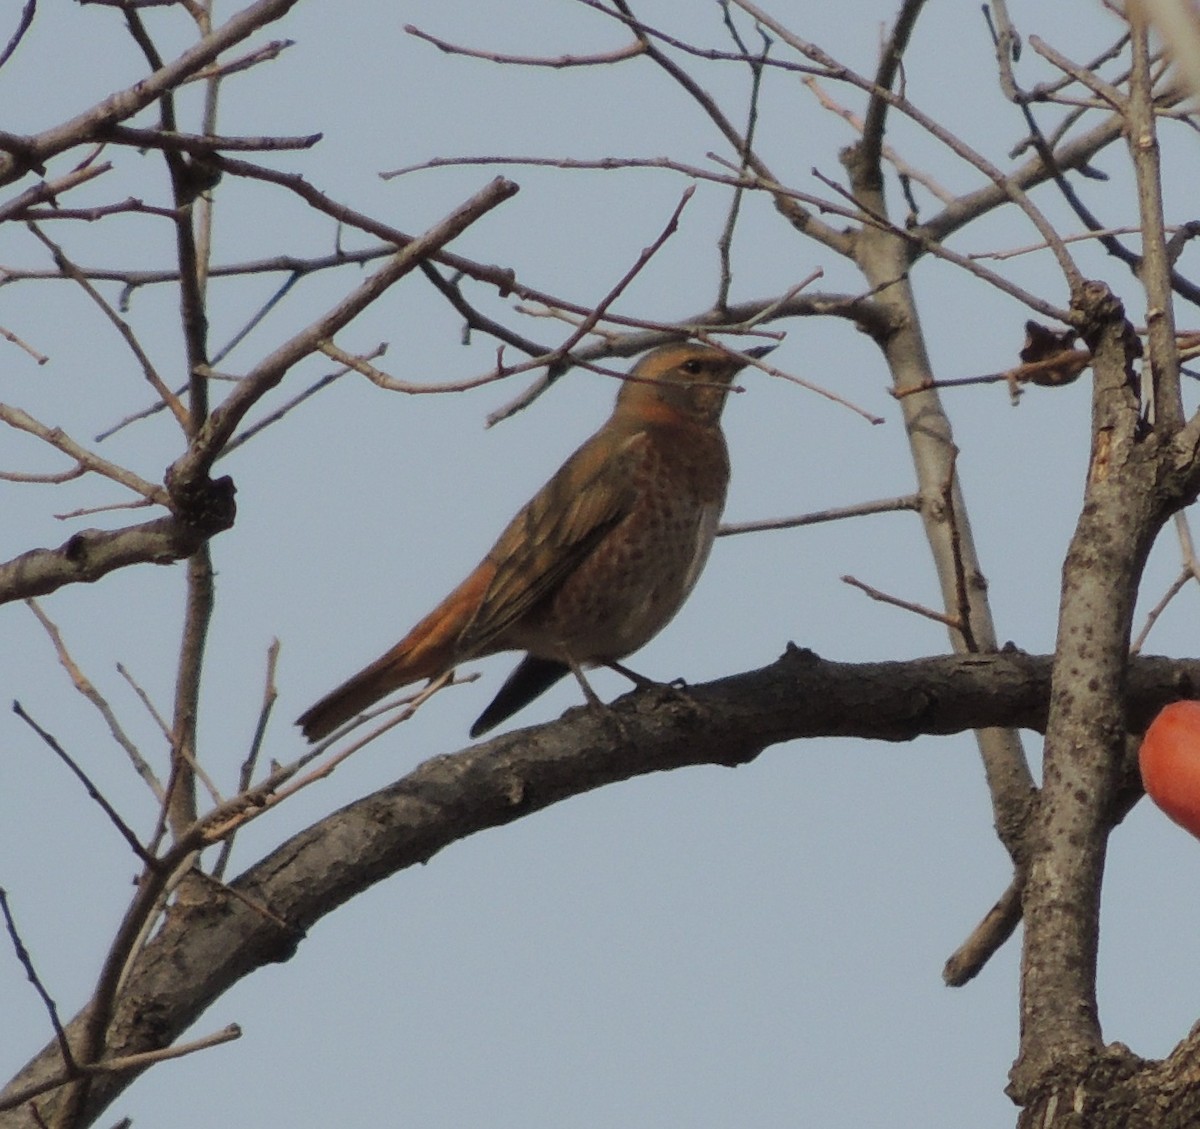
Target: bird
x,y
596,563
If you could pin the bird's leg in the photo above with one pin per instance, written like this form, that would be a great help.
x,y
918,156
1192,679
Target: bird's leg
x,y
611,717
592,698
639,680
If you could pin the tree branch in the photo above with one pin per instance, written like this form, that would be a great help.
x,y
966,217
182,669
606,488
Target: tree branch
x,y
92,553
25,153
205,947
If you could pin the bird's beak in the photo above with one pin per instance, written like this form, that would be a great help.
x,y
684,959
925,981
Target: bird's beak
x,y
760,351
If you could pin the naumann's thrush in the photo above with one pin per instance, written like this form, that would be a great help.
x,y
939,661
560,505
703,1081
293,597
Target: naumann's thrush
x,y
597,563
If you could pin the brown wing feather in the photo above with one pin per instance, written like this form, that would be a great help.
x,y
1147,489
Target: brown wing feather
x,y
589,496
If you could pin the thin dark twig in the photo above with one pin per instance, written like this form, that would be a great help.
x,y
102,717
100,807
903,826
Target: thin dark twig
x,y
255,319
126,831
128,206
725,243
476,320
555,360
64,1046
802,219
890,62
246,775
961,594
202,144
245,435
23,25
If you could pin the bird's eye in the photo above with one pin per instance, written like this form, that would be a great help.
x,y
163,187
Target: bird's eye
x,y
693,367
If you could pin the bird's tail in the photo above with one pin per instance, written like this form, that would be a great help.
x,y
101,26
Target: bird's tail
x,y
428,650
532,677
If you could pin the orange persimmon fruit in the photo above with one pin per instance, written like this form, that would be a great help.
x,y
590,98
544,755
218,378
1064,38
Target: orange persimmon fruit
x,y
1170,763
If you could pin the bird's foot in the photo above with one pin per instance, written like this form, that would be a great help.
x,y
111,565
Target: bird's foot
x,y
674,693
677,693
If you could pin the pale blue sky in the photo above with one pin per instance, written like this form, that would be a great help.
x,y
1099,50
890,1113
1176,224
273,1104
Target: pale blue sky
x,y
706,948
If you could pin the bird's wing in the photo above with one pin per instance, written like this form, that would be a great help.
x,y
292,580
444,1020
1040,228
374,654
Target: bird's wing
x,y
564,522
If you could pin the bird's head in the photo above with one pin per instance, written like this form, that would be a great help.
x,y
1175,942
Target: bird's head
x,y
686,380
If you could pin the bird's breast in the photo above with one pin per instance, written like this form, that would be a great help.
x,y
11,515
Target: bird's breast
x,y
639,573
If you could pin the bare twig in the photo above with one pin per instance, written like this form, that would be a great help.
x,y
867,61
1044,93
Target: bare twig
x,y
246,775
107,508
264,54
998,924
69,269
248,433
8,335
280,293
218,429
49,190
1013,252
57,479
890,155
56,437
24,153
383,380
1167,407
885,505
144,698
1189,571
26,960
725,242
84,685
629,51
126,831
203,143
820,390
129,206
23,25
950,621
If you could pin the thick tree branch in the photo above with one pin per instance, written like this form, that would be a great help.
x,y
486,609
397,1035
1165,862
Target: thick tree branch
x,y
1132,488
92,553
205,947
883,257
